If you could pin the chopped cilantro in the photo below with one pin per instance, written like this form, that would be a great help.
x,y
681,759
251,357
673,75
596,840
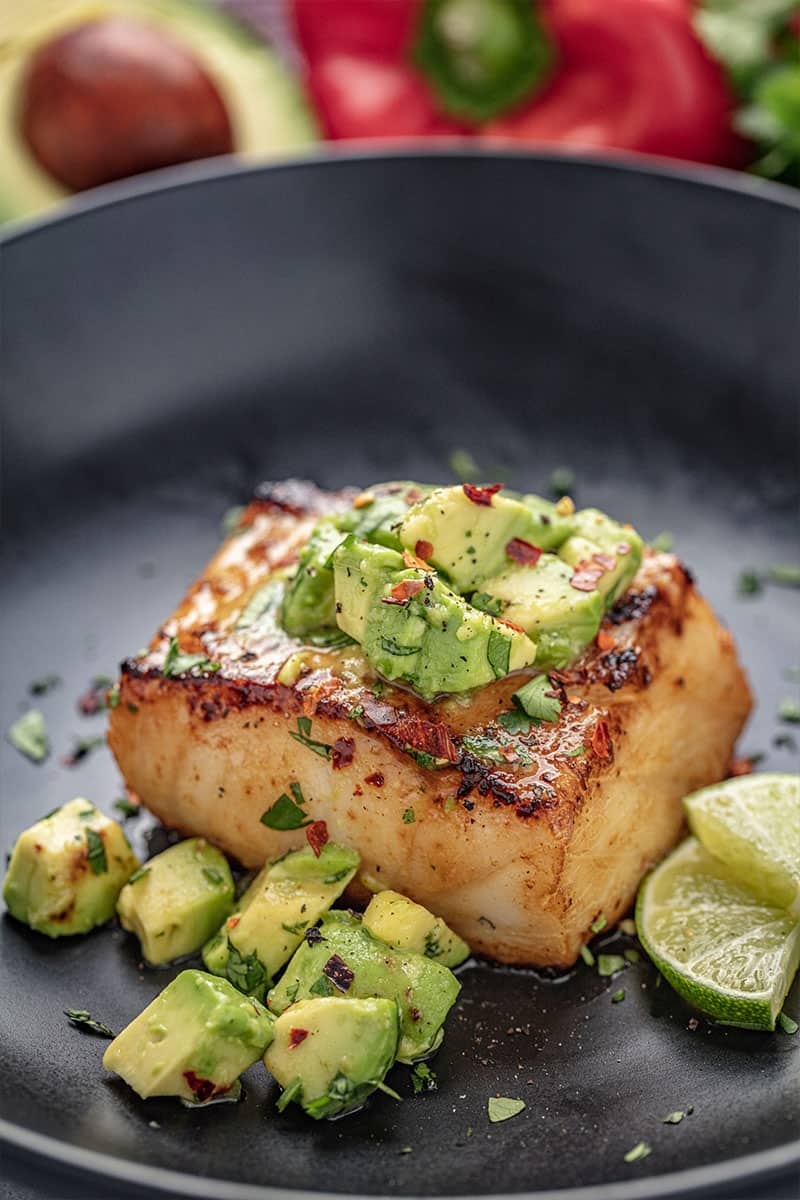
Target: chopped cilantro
x,y
662,543
576,753
609,964
297,927
748,583
787,1024
292,1092
618,996
28,734
433,947
84,1021
789,710
321,987
587,956
96,852
561,482
124,806
423,1079
502,1108
303,736
639,1151
532,699
598,923
515,721
632,956
485,748
112,699
387,1091
246,972
292,990
285,814
176,663
428,761
214,876
498,653
486,603
675,1118
464,466
82,748
337,875
356,712
40,687
785,574
408,817
140,874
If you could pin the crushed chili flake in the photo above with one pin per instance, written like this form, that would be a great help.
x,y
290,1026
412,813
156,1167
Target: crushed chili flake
x,y
340,975
523,552
624,548
203,1089
364,499
317,834
601,742
376,779
313,935
393,600
296,1036
412,562
408,588
585,581
481,495
423,549
232,922
342,752
605,641
510,624
740,766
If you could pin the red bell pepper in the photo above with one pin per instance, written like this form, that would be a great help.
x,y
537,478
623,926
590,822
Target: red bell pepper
x,y
628,74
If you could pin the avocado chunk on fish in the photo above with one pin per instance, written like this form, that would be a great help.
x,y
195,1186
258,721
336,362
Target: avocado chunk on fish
x,y
329,1054
193,1041
404,925
283,901
175,902
67,870
603,552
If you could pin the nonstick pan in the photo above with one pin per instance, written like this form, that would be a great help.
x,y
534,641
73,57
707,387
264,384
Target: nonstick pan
x,y
165,348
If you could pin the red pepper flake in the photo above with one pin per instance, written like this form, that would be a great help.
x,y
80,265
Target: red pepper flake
x,y
586,575
413,496
376,779
203,1089
296,1036
624,548
510,624
423,549
317,834
94,699
340,975
232,922
740,766
606,561
412,562
342,752
605,641
601,742
481,495
431,737
402,592
523,552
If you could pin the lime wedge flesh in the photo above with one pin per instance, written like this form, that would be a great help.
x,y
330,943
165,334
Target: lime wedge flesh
x,y
719,945
753,825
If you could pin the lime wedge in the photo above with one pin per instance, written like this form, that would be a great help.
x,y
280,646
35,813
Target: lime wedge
x,y
720,946
753,824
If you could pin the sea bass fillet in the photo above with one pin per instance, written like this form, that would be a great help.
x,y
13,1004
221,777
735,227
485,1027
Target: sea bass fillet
x,y
519,838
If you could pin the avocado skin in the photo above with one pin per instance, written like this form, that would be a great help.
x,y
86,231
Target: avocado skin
x,y
193,1041
50,884
404,925
337,1050
182,895
424,990
285,899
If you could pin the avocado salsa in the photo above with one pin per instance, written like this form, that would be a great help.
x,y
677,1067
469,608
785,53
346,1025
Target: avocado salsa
x,y
442,590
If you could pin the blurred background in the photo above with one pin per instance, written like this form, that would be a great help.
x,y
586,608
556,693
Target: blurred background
x,y
93,91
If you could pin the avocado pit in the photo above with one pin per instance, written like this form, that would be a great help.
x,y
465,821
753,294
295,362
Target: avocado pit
x,y
116,97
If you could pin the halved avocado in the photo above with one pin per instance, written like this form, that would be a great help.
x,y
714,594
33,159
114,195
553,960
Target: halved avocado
x,y
265,106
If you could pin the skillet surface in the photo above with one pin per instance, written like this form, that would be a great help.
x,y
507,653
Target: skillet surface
x,y
351,321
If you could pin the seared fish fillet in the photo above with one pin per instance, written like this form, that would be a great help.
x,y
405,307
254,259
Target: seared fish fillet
x,y
519,841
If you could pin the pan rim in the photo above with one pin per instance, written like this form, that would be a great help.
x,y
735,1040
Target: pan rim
x,y
214,170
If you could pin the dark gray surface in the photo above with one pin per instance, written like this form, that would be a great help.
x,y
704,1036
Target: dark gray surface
x,y
351,322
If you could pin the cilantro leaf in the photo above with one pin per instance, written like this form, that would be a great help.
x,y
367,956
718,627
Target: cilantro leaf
x,y
534,701
285,814
486,603
503,1108
96,852
408,817
498,653
423,1079
246,972
84,1021
303,736
515,721
28,734
639,1151
561,482
293,1092
124,806
140,874
176,663
610,964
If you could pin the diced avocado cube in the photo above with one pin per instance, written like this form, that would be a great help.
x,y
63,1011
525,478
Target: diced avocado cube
x,y
379,520
552,527
415,629
350,961
285,899
329,1054
176,901
541,599
468,540
308,604
193,1041
67,870
611,550
404,925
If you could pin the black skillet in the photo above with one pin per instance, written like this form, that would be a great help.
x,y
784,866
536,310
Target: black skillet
x,y
351,321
